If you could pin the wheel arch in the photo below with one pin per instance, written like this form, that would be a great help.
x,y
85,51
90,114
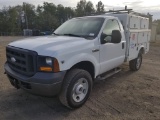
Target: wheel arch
x,y
85,65
81,61
142,49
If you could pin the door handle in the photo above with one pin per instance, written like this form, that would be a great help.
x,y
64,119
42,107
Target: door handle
x,y
95,50
123,45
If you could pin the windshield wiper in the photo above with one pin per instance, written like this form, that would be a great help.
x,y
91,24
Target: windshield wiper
x,y
55,34
73,35
69,34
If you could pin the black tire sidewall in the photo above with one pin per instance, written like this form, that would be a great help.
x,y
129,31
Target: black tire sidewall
x,y
70,100
133,63
139,56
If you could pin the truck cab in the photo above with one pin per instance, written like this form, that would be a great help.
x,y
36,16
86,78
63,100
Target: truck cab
x,y
79,52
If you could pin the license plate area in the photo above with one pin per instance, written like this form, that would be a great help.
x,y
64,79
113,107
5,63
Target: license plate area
x,y
14,82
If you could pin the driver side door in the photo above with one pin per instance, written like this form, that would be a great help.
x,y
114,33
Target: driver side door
x,y
112,54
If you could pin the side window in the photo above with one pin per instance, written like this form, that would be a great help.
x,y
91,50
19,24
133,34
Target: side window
x,y
111,25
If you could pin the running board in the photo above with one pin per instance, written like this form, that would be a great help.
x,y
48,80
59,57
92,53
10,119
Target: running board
x,y
109,74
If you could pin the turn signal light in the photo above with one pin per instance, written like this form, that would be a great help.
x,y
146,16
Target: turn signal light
x,y
55,66
47,69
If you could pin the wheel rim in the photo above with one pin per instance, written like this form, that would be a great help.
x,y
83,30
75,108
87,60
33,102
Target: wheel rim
x,y
138,62
80,90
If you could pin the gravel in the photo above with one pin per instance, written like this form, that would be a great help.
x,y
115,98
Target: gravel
x,y
126,95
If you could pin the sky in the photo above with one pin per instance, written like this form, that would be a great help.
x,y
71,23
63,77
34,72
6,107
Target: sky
x,y
142,6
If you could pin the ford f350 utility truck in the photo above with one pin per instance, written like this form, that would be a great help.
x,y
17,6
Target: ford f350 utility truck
x,y
79,52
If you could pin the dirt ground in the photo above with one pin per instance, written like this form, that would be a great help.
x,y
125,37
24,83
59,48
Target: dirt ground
x,y
126,96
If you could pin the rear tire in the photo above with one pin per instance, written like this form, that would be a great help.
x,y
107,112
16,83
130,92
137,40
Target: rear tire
x,y
135,64
76,88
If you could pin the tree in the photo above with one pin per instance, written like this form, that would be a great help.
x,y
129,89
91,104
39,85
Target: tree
x,y
89,9
84,8
60,13
69,13
100,7
12,20
46,19
80,10
9,20
49,8
30,15
4,19
158,27
43,17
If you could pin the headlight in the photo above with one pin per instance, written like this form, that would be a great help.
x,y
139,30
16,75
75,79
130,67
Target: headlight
x,y
47,64
49,61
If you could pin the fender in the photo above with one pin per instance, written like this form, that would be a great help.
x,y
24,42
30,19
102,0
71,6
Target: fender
x,y
143,48
80,58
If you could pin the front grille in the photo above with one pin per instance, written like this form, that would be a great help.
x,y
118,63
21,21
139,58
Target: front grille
x,y
21,61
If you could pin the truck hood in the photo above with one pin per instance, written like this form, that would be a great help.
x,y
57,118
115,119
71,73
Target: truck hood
x,y
50,45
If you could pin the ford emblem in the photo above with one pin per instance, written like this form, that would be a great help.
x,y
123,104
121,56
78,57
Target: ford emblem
x,y
13,59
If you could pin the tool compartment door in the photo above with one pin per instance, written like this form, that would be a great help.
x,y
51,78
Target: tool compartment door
x,y
133,47
134,22
142,37
144,23
143,40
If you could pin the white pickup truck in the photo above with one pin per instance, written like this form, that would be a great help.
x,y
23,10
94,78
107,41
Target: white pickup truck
x,y
79,52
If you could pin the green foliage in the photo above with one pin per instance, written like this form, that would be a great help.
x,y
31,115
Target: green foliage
x,y
84,8
158,27
100,7
44,17
9,20
30,14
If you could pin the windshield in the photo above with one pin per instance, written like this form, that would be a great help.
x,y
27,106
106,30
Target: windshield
x,y
81,27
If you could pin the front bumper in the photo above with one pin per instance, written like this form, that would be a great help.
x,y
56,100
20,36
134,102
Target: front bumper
x,y
44,84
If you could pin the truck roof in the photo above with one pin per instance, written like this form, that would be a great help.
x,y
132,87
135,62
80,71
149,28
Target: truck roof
x,y
98,16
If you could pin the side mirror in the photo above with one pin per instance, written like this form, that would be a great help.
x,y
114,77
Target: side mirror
x,y
116,36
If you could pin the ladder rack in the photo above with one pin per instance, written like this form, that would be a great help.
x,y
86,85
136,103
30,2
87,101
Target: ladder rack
x,y
120,11
128,11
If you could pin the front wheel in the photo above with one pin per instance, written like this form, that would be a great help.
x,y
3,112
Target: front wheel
x,y
76,88
135,64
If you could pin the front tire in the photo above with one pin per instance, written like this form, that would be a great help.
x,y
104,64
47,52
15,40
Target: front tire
x,y
76,88
135,64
